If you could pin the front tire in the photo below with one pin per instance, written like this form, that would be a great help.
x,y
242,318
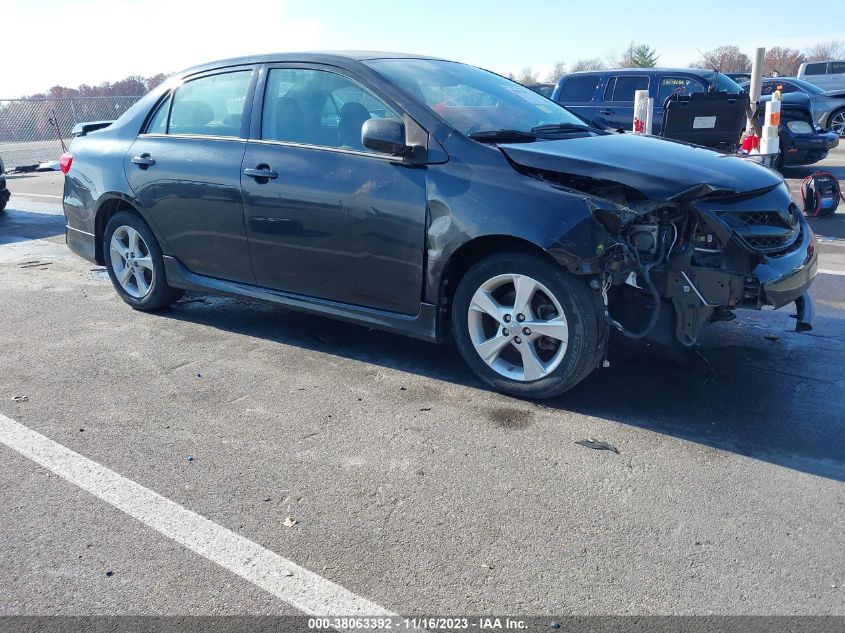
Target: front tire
x,y
526,326
135,263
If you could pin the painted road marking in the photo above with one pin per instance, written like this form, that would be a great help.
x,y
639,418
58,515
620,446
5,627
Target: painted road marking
x,y
35,195
300,588
827,271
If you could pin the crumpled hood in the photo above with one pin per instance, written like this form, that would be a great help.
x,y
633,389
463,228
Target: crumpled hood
x,y
659,168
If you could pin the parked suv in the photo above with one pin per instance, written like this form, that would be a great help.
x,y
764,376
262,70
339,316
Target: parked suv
x,y
606,97
828,75
433,199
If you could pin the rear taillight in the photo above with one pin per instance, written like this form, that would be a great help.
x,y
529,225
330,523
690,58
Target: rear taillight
x,y
65,161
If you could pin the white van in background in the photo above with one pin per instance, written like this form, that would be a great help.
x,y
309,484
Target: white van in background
x,y
829,75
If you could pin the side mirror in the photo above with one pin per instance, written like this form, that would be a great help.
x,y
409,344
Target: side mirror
x,y
384,135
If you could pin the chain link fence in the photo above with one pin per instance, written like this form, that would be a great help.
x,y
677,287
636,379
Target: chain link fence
x,y
32,130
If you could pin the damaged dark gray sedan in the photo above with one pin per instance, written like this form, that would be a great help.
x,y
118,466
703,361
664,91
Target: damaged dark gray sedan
x,y
432,199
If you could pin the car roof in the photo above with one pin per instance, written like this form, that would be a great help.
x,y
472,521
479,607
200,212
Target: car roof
x,y
639,71
304,56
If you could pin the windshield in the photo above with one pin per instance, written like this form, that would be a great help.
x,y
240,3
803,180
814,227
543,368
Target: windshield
x,y
473,100
723,83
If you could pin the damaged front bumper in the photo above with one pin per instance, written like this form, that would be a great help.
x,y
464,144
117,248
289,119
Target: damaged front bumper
x,y
737,251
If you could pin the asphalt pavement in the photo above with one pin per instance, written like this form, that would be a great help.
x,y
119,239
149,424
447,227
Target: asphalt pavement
x,y
186,462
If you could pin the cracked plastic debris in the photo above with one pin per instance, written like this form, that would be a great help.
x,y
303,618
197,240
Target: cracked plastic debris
x,y
598,445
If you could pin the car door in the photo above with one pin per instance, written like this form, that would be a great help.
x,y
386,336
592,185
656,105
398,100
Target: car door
x,y
617,107
577,92
327,217
185,170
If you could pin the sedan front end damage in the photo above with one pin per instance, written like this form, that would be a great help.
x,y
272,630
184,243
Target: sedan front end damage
x,y
705,257
681,250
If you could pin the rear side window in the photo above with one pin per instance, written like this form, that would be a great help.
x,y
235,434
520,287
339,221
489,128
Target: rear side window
x,y
769,87
210,106
578,89
815,69
837,68
623,88
677,85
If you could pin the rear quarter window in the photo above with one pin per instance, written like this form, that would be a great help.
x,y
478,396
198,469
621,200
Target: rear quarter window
x,y
578,89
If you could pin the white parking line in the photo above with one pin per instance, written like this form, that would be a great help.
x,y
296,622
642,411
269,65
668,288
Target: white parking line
x,y
827,271
300,588
35,195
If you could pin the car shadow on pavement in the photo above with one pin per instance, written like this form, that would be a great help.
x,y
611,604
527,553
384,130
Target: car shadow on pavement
x,y
753,387
19,226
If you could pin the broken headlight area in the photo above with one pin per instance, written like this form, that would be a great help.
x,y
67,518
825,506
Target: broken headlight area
x,y
673,267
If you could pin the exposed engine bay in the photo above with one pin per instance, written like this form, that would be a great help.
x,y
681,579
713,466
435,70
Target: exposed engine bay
x,y
667,268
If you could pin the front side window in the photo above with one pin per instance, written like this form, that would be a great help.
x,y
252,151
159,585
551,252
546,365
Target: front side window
x,y
677,85
815,69
210,106
471,99
623,88
318,107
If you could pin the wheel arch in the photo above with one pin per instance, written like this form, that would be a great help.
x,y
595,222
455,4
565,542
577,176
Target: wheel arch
x,y
109,205
472,251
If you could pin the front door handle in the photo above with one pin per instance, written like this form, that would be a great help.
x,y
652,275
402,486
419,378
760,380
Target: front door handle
x,y
143,161
262,171
605,112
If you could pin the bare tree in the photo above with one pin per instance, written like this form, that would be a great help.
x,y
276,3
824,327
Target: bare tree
x,y
526,76
638,56
557,72
592,63
780,60
834,49
155,80
724,59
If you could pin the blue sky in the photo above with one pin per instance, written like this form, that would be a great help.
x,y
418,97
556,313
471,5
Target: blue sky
x,y
75,41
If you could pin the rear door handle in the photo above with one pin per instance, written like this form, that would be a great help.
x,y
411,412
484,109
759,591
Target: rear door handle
x,y
143,161
605,112
262,171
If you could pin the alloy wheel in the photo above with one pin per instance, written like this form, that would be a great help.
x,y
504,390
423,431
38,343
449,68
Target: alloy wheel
x,y
518,327
837,123
131,262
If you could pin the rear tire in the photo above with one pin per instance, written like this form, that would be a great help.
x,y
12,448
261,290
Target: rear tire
x,y
526,326
135,263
